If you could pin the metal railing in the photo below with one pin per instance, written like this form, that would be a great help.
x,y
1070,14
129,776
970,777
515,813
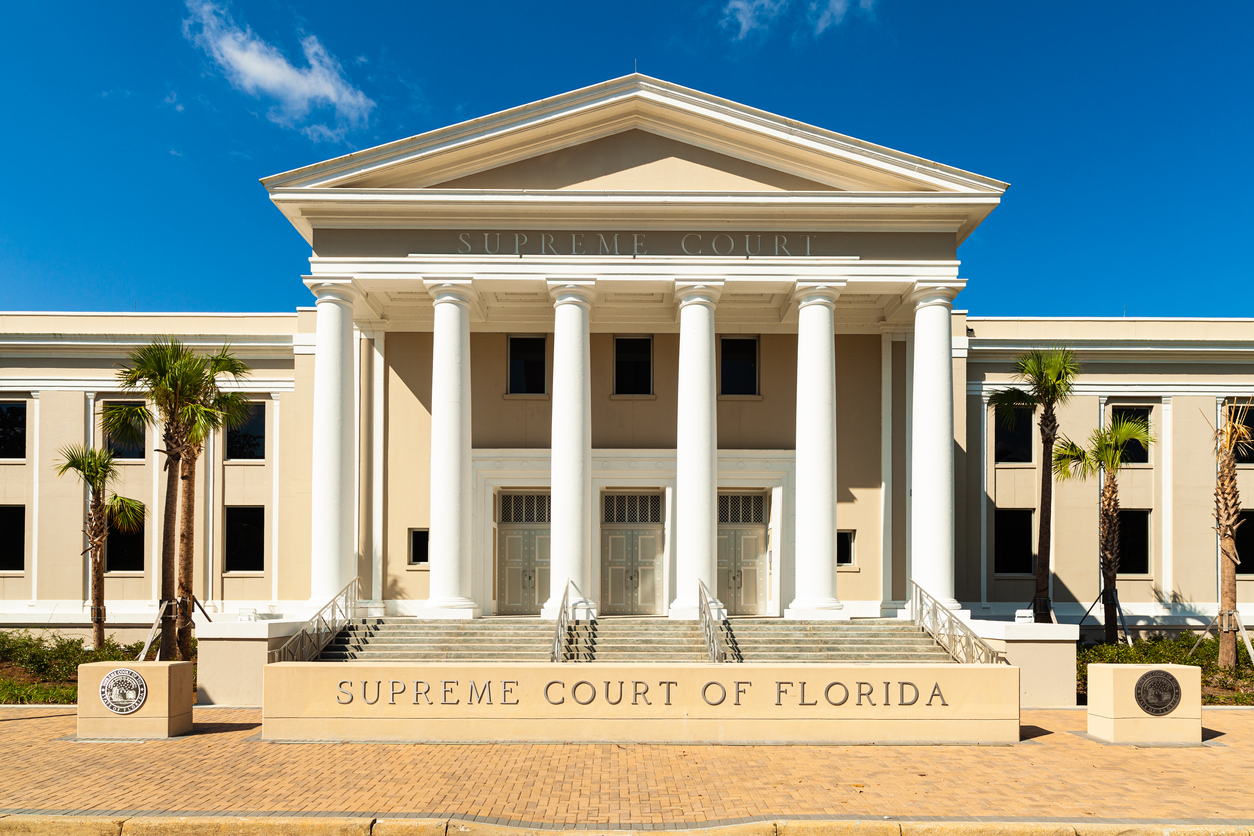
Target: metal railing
x,y
713,644
558,653
959,640
317,632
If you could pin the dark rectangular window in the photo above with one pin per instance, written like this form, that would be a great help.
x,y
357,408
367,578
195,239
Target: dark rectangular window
x,y
844,548
122,450
12,538
1013,444
633,366
245,547
739,371
419,540
526,365
1245,455
1012,541
1245,544
12,430
1134,540
124,550
1134,452
248,440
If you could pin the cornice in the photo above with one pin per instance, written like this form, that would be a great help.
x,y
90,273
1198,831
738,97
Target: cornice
x,y
1153,352
113,346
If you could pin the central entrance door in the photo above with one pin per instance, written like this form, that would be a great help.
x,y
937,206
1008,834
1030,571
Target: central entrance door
x,y
743,569
522,553
631,554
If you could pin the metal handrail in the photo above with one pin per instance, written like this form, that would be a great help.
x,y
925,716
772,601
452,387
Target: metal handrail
x,y
959,640
563,625
713,645
317,632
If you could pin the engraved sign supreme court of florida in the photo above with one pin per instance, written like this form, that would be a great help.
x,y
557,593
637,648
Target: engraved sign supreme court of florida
x,y
640,702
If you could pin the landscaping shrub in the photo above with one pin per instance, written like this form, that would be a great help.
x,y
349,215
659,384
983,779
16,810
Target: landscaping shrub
x,y
1219,686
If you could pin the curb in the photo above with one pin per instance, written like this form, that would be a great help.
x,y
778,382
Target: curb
x,y
18,825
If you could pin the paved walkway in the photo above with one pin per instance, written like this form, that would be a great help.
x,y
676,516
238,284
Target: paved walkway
x,y
224,769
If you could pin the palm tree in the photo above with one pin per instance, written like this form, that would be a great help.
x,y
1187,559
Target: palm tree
x,y
1050,375
1103,457
97,470
171,377
221,409
1232,437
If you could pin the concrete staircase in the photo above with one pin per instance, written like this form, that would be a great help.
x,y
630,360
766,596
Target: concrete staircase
x,y
857,640
657,640
414,640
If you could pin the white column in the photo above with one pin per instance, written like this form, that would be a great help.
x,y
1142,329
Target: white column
x,y
815,556
449,546
984,440
1168,514
571,544
377,407
276,462
34,492
210,503
932,444
89,438
696,453
332,551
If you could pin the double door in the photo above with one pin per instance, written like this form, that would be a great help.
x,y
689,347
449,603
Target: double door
x,y
631,570
522,577
743,571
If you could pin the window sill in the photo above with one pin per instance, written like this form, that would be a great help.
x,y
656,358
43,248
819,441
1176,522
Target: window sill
x,y
13,573
130,462
740,397
1123,577
520,397
244,462
1013,576
125,574
1014,465
227,575
848,568
12,461
422,567
633,397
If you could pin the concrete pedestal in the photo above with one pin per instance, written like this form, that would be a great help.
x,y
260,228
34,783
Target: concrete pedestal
x,y
163,691
232,656
1168,712
1044,655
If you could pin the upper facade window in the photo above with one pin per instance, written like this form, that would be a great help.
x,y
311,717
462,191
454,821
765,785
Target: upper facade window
x,y
1245,455
1014,444
124,550
738,372
633,366
122,450
12,430
248,441
526,365
1134,452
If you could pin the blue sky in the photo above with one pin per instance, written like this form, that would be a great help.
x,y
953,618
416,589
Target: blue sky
x,y
136,132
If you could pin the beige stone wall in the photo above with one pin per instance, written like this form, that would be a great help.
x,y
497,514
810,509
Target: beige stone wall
x,y
408,474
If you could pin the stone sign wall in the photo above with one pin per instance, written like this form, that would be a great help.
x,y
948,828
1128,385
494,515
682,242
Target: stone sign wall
x,y
696,703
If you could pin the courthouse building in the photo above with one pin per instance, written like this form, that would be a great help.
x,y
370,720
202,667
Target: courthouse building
x,y
617,344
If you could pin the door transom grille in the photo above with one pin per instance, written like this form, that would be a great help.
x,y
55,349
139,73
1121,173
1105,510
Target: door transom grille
x,y
525,508
631,508
741,508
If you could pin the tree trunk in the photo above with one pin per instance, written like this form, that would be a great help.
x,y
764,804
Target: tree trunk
x,y
1227,517
187,542
1042,606
169,545
1108,536
97,531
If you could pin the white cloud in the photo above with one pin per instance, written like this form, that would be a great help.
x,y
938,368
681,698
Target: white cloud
x,y
748,16
301,94
173,99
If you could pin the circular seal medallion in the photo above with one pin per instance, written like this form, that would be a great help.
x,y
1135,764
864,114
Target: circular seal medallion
x,y
123,691
1158,693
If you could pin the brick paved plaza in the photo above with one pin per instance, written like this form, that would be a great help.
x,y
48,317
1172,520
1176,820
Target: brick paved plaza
x,y
1052,775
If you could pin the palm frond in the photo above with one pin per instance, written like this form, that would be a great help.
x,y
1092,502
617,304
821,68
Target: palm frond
x,y
1049,373
1006,404
236,409
1235,435
124,513
126,421
93,465
1071,461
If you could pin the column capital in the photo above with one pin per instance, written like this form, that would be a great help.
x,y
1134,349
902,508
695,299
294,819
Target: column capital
x,y
934,293
698,293
455,289
332,288
817,293
572,292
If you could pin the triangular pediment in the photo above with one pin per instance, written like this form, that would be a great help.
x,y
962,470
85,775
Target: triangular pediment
x,y
634,134
635,161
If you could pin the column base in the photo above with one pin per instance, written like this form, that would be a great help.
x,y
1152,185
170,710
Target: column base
x,y
822,609
450,608
690,610
372,609
581,609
